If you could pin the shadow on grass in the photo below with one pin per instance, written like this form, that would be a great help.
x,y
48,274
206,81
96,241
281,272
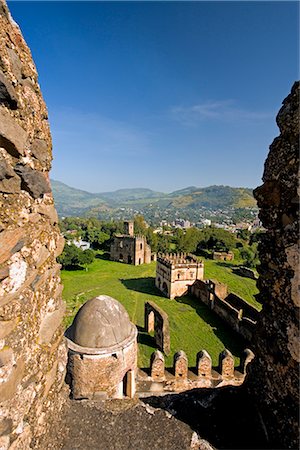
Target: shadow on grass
x,y
73,268
231,340
145,285
105,256
146,339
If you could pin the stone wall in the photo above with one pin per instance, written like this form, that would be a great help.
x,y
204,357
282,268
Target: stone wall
x,y
157,320
274,379
32,355
234,310
161,380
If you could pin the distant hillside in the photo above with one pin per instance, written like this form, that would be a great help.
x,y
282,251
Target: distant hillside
x,y
75,202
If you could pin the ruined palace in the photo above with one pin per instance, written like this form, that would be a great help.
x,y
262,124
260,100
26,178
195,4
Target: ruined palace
x,y
176,272
131,249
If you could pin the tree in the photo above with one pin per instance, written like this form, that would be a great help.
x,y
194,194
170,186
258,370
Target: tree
x,y
140,227
244,234
249,257
74,257
86,257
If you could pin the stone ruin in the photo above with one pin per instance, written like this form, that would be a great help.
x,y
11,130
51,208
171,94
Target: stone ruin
x,y
274,377
157,320
232,309
33,355
102,357
223,256
179,378
32,351
131,249
176,272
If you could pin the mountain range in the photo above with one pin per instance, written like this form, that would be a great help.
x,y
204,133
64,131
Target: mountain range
x,y
76,202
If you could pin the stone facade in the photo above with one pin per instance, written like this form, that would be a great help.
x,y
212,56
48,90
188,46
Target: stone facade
x,y
157,320
223,256
102,351
131,249
176,272
274,378
161,380
32,353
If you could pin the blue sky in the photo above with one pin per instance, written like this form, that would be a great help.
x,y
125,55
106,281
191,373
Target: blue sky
x,y
161,95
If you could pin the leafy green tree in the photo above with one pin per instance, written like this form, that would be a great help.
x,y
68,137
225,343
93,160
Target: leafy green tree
x,y
86,257
244,234
152,239
163,244
249,257
140,227
73,257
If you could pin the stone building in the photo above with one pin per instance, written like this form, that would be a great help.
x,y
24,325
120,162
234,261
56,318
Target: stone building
x,y
176,272
102,343
131,249
223,256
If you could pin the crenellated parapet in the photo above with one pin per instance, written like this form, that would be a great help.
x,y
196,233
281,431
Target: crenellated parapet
x,y
181,377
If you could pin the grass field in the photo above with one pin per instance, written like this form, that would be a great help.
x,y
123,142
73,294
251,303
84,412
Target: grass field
x,y
221,271
192,325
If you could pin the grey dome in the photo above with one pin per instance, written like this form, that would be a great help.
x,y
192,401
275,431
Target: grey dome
x,y
100,323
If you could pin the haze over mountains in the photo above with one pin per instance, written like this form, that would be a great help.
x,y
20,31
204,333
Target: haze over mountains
x,y
75,202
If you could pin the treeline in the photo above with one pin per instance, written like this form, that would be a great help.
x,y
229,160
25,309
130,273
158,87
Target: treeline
x,y
193,240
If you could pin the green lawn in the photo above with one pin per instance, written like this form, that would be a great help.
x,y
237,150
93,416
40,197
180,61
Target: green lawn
x,y
221,271
193,326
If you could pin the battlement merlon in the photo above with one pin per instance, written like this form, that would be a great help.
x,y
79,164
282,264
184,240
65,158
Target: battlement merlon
x,y
176,260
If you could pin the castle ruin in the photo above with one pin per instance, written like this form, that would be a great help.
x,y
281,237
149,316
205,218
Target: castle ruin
x,y
131,249
176,272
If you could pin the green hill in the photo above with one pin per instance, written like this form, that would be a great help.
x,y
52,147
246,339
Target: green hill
x,y
75,202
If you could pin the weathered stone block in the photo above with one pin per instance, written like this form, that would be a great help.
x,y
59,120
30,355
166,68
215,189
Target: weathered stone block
x,y
49,211
4,272
6,327
40,151
8,388
181,365
226,364
50,379
6,355
7,92
204,364
12,136
33,181
5,426
8,241
157,366
50,323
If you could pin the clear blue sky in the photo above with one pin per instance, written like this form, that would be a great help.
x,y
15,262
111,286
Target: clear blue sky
x,y
159,94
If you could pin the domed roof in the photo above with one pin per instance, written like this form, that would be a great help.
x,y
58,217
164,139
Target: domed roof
x,y
100,323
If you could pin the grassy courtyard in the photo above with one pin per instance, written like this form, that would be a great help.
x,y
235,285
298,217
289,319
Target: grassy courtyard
x,y
192,325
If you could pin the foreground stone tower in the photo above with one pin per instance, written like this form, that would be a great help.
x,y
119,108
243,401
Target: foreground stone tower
x,y
32,355
274,376
102,346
